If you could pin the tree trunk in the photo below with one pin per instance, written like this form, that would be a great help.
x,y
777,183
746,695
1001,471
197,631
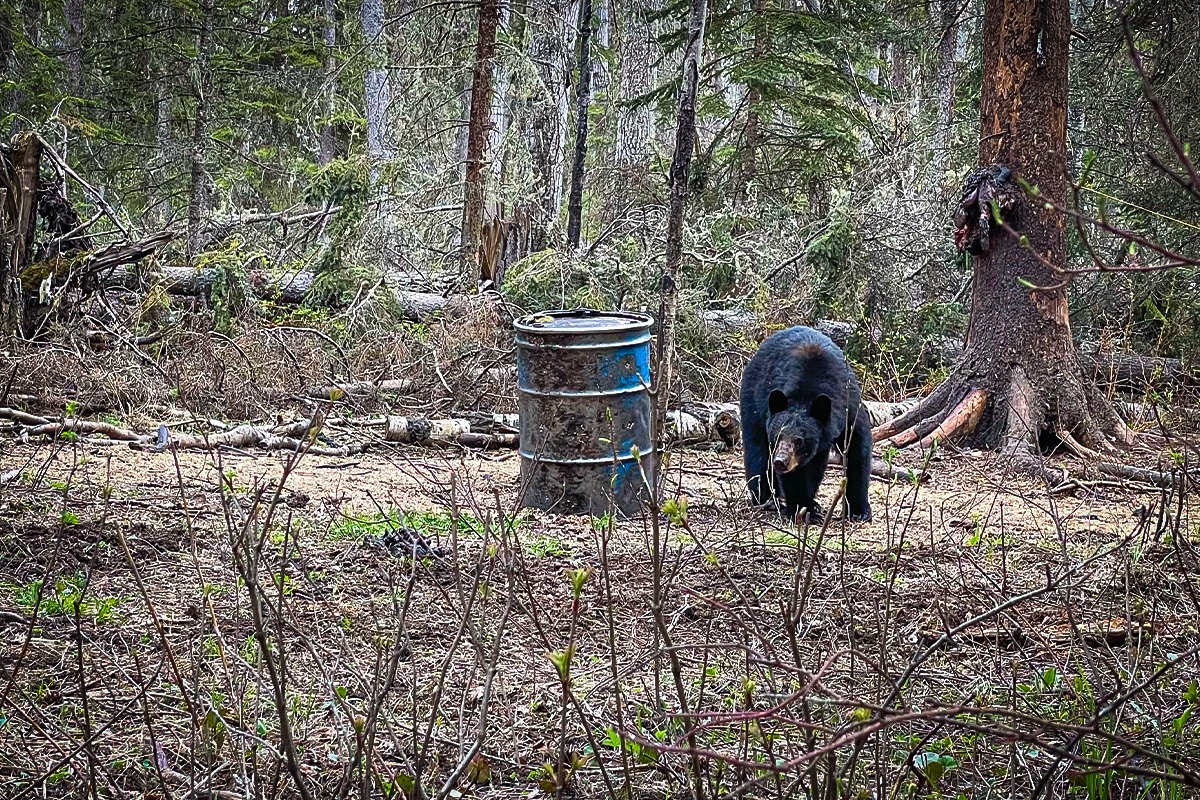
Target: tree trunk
x,y
18,219
199,200
8,59
161,166
749,165
583,92
73,44
603,34
635,122
685,141
498,112
946,23
1020,376
548,51
494,229
328,144
377,88
481,93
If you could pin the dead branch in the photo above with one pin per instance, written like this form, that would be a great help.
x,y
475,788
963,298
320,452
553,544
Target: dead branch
x,y
20,416
79,426
118,254
1140,474
885,471
96,196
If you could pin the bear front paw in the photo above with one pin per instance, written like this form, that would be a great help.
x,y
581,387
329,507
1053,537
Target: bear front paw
x,y
813,516
863,515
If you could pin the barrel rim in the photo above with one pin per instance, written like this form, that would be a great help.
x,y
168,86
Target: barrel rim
x,y
631,321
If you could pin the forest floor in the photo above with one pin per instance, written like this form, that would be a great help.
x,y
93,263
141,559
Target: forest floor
x,y
188,627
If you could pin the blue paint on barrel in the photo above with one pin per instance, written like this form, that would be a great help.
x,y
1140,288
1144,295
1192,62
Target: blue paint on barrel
x,y
583,379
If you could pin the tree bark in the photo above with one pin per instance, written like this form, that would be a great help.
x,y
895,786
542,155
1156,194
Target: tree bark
x,y
328,143
946,23
750,133
73,44
377,88
635,122
199,198
583,92
1020,376
685,141
498,115
549,52
18,219
603,34
8,60
481,93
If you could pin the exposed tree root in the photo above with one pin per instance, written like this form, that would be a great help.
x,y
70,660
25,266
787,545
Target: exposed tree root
x,y
1075,447
1020,428
917,432
931,405
961,421
1106,415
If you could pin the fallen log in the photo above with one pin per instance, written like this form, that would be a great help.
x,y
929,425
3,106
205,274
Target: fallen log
x,y
360,390
697,423
289,437
291,287
367,390
718,423
419,430
884,470
1130,372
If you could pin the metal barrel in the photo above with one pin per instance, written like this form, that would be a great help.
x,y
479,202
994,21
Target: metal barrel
x,y
583,380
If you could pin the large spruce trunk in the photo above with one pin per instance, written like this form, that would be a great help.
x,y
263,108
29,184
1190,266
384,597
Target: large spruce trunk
x,y
1020,376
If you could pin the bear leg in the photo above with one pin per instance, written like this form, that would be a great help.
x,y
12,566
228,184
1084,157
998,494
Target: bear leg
x,y
858,470
797,493
757,458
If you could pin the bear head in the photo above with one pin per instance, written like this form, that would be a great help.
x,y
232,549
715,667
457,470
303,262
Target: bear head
x,y
796,432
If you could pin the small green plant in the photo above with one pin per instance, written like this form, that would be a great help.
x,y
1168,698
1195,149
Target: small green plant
x,y
642,754
976,534
544,546
66,597
934,766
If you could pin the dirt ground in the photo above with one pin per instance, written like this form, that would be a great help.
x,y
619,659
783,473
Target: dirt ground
x,y
185,633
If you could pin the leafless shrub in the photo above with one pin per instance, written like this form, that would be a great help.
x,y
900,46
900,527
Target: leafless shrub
x,y
245,638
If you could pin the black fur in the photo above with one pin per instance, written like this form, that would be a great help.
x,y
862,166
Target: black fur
x,y
798,390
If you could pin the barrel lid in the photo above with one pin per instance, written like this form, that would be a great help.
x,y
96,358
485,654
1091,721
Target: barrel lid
x,y
583,320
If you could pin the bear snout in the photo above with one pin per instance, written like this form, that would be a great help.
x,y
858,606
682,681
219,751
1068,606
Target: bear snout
x,y
785,458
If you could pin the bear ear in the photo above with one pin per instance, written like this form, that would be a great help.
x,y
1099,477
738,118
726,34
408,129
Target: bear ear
x,y
776,401
821,408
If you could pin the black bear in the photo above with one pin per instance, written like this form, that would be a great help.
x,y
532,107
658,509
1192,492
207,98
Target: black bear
x,y
799,399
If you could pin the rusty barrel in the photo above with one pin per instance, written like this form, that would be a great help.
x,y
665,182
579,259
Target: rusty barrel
x,y
583,380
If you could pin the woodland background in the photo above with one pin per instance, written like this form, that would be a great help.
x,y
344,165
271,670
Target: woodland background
x,y
832,139
261,225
